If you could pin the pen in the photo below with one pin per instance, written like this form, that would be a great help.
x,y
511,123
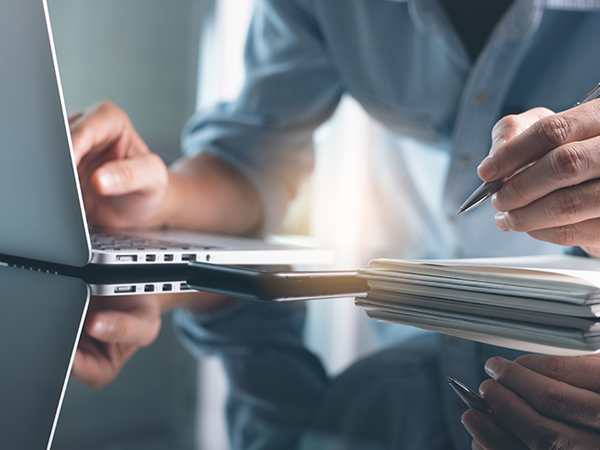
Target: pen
x,y
487,189
469,396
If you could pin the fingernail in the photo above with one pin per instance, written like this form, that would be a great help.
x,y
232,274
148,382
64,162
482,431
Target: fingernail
x,y
486,388
99,328
500,221
105,178
498,203
491,366
471,422
487,170
497,143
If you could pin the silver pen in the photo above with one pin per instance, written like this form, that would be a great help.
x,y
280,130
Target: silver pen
x,y
471,398
487,189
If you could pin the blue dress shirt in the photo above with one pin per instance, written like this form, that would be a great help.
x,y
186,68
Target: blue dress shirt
x,y
403,62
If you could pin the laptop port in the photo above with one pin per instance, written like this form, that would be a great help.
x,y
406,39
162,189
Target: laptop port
x,y
149,288
188,257
124,289
127,258
150,258
168,257
167,287
184,287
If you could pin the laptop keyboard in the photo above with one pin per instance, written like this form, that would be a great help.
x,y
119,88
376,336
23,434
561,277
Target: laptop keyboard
x,y
101,241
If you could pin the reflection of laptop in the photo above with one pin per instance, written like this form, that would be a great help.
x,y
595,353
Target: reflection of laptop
x,y
41,318
41,207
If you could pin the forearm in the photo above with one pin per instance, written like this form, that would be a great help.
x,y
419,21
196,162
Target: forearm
x,y
207,194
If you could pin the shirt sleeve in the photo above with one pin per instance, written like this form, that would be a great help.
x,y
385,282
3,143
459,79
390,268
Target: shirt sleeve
x,y
275,382
290,88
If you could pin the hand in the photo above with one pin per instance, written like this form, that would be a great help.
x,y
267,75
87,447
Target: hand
x,y
123,183
116,327
556,199
561,407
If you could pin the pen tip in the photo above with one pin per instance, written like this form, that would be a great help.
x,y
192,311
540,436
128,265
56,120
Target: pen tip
x,y
460,211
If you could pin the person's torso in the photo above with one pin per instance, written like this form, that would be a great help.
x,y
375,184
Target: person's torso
x,y
408,67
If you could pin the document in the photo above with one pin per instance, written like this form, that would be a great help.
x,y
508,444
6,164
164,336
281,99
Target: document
x,y
546,304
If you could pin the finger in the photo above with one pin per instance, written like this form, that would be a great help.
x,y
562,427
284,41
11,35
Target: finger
x,y
582,234
511,126
546,395
96,368
592,251
563,207
566,166
124,176
476,446
75,116
104,126
576,124
580,371
532,428
123,327
487,434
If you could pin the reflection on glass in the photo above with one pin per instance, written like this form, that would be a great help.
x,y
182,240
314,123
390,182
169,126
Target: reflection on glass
x,y
41,317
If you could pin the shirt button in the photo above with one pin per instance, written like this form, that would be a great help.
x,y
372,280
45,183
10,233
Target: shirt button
x,y
480,98
465,161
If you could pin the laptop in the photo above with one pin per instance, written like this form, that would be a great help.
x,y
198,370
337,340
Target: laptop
x,y
42,214
41,318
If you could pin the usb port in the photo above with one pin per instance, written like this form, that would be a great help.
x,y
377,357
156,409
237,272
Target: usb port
x,y
127,258
168,257
184,287
124,289
150,258
167,287
188,257
149,288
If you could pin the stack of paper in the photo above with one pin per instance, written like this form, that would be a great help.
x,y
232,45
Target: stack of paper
x,y
547,304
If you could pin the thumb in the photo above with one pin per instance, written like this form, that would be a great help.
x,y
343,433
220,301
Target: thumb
x,y
511,126
124,176
506,129
116,327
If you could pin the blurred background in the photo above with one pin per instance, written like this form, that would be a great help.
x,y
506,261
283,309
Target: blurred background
x,y
160,61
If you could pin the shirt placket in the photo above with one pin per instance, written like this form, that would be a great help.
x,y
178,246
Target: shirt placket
x,y
481,105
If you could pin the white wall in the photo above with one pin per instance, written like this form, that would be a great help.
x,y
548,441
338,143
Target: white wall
x,y
141,54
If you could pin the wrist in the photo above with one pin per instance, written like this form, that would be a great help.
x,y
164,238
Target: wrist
x,y
207,194
169,206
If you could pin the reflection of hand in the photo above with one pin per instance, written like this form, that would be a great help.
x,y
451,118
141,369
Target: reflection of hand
x,y
561,408
556,199
123,183
114,329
